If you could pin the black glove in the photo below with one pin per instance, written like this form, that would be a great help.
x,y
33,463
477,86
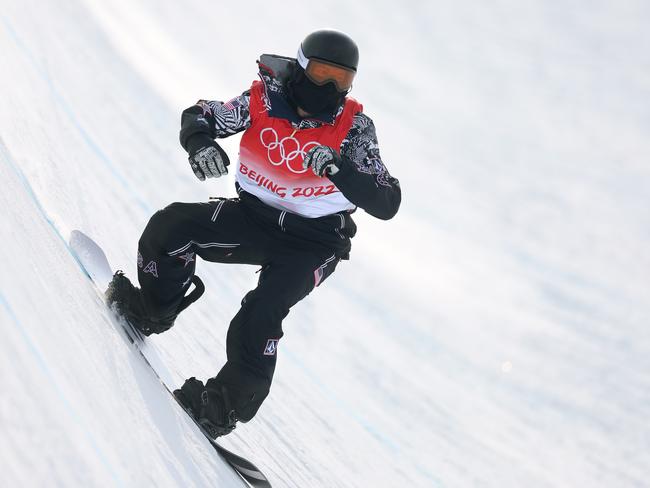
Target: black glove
x,y
322,160
207,158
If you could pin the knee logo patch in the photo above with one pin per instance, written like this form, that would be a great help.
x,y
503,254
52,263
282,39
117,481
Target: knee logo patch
x,y
271,347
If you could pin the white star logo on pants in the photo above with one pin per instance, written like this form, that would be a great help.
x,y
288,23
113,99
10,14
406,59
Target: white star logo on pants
x,y
188,257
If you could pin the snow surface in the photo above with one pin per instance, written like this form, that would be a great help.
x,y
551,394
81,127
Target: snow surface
x,y
495,333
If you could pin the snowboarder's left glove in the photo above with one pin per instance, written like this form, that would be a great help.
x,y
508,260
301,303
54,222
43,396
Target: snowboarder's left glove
x,y
207,158
322,160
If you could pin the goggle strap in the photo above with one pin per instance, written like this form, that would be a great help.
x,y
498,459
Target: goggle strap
x,y
303,61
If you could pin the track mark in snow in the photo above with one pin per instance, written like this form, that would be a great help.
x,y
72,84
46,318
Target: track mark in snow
x,y
70,113
69,409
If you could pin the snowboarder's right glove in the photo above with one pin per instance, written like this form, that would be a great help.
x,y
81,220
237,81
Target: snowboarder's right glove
x,y
207,158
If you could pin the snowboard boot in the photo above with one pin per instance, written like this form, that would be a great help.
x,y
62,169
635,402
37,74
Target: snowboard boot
x,y
131,304
209,405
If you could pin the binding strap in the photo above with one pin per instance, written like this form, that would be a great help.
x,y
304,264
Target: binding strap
x,y
199,289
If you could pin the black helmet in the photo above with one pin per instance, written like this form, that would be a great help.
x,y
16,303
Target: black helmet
x,y
323,75
332,46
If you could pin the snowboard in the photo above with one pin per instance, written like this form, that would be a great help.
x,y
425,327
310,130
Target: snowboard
x,y
94,263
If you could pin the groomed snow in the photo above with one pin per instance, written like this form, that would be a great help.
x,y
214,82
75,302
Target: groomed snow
x,y
495,333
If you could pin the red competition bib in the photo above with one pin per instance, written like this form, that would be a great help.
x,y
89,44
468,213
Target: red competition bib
x,y
271,153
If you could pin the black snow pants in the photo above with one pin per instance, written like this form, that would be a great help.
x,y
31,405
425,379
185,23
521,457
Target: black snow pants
x,y
295,255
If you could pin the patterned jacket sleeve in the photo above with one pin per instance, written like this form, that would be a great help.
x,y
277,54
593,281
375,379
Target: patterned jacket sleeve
x,y
363,177
216,119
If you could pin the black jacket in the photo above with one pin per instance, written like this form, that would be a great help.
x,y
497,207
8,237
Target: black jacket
x,y
363,178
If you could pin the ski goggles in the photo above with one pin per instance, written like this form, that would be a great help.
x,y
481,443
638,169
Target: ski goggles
x,y
322,72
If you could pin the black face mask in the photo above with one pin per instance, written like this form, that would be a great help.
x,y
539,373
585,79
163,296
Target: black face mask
x,y
312,98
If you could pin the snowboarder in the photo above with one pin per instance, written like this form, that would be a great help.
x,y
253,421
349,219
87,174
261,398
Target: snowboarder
x,y
308,158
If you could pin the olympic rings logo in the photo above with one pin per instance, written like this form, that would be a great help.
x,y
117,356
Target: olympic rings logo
x,y
285,150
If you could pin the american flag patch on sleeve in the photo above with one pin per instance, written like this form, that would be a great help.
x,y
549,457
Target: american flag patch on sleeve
x,y
232,104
